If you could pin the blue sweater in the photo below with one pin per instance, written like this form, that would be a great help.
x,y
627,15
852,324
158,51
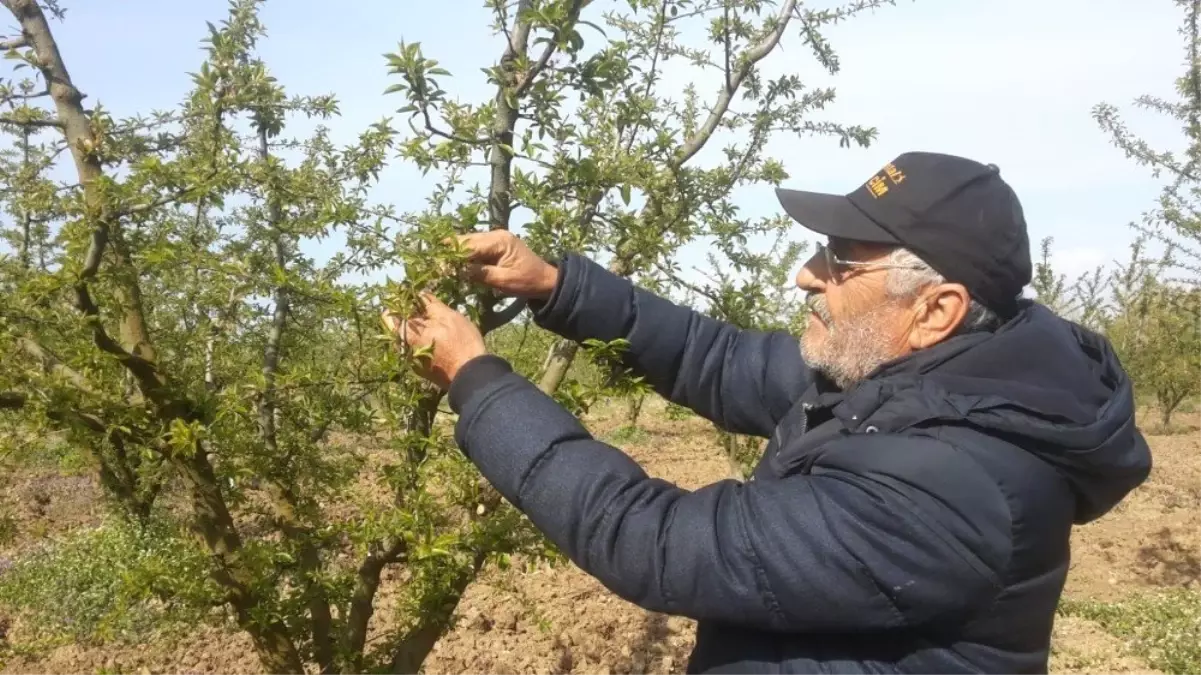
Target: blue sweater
x,y
918,522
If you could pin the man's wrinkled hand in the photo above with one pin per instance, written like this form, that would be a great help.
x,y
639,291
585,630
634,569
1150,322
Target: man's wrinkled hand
x,y
501,261
452,337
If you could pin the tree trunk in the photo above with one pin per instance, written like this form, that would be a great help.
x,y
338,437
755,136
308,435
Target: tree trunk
x,y
416,645
729,443
1168,402
26,224
634,410
735,468
215,525
362,601
562,353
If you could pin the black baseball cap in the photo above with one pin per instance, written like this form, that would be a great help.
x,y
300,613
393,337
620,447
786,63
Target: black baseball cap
x,y
956,214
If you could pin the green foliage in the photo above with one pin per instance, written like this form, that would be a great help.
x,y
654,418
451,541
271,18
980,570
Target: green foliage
x,y
1164,628
1153,325
628,434
599,376
179,338
608,158
1176,221
524,345
47,452
1081,300
114,582
1158,337
612,378
1157,329
678,412
753,290
161,315
756,290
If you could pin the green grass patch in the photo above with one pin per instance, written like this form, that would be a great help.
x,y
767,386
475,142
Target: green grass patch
x,y
1163,628
8,529
628,434
47,453
115,582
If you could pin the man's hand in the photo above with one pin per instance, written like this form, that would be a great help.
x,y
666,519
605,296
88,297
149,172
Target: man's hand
x,y
501,261
454,339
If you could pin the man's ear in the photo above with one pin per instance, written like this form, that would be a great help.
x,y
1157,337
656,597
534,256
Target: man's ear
x,y
938,314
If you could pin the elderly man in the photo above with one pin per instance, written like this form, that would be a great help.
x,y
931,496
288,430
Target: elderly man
x,y
933,438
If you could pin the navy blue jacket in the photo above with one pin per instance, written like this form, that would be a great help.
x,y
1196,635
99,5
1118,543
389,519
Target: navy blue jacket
x,y
916,523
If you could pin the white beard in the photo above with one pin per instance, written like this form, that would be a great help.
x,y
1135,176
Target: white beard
x,y
851,349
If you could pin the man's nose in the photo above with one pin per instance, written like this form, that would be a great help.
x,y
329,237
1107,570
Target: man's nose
x,y
810,277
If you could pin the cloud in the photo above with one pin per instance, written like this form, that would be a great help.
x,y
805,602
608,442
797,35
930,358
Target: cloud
x,y
1075,262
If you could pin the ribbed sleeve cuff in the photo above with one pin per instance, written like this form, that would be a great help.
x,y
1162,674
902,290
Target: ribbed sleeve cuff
x,y
561,296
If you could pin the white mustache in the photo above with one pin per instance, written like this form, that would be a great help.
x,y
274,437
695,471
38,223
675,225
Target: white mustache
x,y
817,305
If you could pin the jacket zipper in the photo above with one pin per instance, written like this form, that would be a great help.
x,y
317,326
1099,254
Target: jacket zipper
x,y
805,408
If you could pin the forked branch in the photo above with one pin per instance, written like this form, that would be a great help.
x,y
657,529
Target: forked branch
x,y
733,81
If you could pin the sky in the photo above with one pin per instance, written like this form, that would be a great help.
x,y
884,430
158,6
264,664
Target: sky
x,y
1012,83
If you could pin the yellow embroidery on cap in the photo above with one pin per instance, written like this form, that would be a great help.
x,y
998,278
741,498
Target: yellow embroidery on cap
x,y
877,186
894,173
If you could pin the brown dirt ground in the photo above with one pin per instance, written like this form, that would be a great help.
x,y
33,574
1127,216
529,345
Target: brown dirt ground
x,y
559,620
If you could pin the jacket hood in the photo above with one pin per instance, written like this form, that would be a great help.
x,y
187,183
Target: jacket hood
x,y
1049,386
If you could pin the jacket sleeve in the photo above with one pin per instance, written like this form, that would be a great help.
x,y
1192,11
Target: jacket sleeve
x,y
744,381
913,535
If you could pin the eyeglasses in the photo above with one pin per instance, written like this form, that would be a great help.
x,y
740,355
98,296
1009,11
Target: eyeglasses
x,y
835,265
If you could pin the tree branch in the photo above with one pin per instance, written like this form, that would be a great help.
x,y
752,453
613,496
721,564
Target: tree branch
x,y
26,218
215,524
429,126
752,56
660,26
119,473
703,292
287,503
156,204
501,157
27,97
52,123
14,43
527,81
725,7
416,644
52,363
1194,39
217,327
508,105
279,316
362,602
318,432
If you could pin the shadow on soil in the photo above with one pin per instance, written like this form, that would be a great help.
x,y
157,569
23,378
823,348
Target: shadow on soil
x,y
1170,562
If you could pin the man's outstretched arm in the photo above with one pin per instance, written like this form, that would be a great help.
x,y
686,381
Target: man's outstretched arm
x,y
744,381
897,532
